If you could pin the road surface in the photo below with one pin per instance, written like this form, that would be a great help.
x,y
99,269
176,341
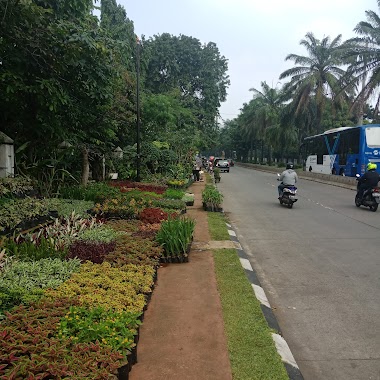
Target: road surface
x,y
319,264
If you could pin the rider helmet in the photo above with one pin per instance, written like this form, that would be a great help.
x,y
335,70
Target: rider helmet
x,y
371,166
289,165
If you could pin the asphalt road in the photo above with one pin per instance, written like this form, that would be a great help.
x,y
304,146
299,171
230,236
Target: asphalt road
x,y
319,264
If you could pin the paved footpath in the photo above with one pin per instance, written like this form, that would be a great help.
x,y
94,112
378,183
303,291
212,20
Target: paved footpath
x,y
182,337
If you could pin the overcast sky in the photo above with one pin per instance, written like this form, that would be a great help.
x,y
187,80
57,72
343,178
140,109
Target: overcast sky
x,y
254,35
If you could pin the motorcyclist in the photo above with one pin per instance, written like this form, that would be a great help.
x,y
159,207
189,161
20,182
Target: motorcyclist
x,y
288,178
369,180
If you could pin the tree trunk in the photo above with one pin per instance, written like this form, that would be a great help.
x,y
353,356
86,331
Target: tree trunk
x,y
85,166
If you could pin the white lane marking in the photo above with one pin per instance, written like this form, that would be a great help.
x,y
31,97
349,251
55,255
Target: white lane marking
x,y
246,264
231,233
284,350
260,295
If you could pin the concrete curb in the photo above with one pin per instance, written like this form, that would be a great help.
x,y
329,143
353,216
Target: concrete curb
x,y
282,347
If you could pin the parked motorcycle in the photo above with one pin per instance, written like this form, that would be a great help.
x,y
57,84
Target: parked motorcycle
x,y
289,195
371,198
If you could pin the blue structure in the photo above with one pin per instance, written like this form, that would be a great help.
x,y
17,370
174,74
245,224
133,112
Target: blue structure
x,y
343,151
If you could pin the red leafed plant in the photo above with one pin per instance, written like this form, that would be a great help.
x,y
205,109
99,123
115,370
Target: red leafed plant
x,y
137,185
153,215
92,251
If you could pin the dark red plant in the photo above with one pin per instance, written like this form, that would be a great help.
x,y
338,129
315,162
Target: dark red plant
x,y
92,251
153,215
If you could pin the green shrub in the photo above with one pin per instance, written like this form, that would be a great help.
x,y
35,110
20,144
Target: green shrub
x,y
31,335
94,192
88,325
211,195
174,193
15,212
102,234
175,236
33,250
24,282
65,207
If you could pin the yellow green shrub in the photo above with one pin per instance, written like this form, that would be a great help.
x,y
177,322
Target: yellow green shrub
x,y
100,285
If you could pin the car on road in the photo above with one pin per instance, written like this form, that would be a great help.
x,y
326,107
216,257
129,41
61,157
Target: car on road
x,y
223,166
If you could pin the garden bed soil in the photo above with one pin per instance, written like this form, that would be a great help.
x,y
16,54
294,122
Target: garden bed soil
x,y
175,340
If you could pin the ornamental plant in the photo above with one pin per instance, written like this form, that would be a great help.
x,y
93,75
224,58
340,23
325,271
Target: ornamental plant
x,y
173,193
30,346
89,325
142,186
135,250
176,183
116,208
171,204
175,236
211,195
62,231
34,250
24,282
15,186
101,234
66,207
100,285
94,251
94,192
14,212
153,215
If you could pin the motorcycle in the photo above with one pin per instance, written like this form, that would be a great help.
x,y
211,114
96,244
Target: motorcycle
x,y
371,198
289,195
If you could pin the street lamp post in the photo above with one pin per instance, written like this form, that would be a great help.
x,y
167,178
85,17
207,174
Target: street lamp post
x,y
138,163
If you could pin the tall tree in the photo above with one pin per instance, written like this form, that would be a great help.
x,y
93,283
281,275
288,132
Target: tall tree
x,y
363,55
317,75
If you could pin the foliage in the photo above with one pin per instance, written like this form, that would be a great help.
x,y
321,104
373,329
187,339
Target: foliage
x,y
14,212
211,195
23,282
103,233
135,250
176,183
90,250
175,236
116,208
31,250
95,192
66,207
118,289
30,347
114,329
15,186
171,204
174,194
61,232
153,215
141,186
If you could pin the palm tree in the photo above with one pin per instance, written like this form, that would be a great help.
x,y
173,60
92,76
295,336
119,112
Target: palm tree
x,y
268,104
363,55
315,76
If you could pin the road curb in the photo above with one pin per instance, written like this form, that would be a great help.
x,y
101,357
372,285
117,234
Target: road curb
x,y
282,347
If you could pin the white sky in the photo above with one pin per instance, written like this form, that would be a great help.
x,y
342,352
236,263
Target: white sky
x,y
254,35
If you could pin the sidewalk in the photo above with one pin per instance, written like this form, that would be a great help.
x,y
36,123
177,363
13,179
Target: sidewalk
x,y
182,336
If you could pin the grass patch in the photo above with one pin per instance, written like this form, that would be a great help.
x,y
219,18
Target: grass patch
x,y
253,354
217,226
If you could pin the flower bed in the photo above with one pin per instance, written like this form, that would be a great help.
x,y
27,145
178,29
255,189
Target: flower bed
x,y
89,313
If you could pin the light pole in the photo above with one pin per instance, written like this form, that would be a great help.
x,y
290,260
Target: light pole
x,y
138,163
